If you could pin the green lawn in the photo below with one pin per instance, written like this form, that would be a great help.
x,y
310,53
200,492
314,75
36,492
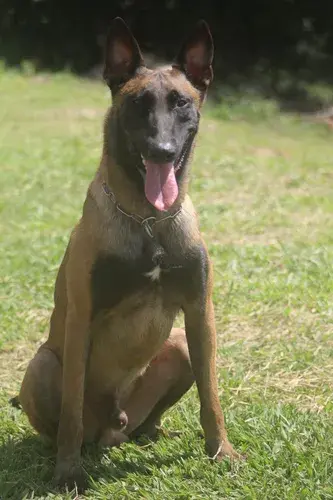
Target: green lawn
x,y
263,186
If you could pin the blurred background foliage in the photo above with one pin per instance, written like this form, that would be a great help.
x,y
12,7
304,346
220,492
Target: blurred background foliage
x,y
275,48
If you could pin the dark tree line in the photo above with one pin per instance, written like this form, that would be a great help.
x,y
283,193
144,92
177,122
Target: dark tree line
x,y
251,36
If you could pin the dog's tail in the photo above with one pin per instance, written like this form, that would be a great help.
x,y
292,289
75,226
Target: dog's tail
x,y
15,402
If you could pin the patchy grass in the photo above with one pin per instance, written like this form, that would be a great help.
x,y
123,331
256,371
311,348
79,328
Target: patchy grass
x,y
262,183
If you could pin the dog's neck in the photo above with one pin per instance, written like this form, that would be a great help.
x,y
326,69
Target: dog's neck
x,y
120,172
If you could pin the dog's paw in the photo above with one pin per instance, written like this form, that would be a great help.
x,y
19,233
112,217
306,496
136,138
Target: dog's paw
x,y
152,432
70,475
113,438
223,450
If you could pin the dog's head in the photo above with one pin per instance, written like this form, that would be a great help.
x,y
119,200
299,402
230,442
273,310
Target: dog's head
x,y
155,113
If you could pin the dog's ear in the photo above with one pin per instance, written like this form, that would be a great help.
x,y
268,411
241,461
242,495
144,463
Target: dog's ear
x,y
122,55
196,56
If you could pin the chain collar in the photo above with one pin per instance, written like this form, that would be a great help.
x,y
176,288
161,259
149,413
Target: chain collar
x,y
147,223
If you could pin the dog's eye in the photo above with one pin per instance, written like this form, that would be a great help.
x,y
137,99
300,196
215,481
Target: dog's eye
x,y
176,100
181,102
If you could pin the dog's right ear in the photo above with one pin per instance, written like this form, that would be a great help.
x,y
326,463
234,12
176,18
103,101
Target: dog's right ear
x,y
122,55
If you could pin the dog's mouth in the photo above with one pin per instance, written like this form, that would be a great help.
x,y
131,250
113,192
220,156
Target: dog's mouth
x,y
160,179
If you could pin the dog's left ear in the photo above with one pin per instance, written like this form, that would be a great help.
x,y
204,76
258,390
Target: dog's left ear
x,y
122,55
196,56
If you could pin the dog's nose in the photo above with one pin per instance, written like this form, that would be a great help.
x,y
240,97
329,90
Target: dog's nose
x,y
162,152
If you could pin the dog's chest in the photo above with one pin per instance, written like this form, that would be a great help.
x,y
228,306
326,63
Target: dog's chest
x,y
150,269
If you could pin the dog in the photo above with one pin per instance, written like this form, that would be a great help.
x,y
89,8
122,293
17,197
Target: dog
x,y
113,363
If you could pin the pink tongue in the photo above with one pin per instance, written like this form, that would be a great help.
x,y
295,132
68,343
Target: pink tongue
x,y
161,186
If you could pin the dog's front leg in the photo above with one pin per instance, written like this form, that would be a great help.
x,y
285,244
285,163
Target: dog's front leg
x,y
70,431
201,337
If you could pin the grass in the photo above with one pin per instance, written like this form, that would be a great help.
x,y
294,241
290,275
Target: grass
x,y
263,184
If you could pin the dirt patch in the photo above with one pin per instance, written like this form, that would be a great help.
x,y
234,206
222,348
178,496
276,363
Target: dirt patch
x,y
13,363
261,351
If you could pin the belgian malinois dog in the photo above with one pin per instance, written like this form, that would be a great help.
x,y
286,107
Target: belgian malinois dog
x,y
113,363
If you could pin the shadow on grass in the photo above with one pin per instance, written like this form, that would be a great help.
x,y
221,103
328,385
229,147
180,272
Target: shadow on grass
x,y
27,465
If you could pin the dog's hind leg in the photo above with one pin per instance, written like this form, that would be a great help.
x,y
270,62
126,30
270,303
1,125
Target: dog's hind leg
x,y
164,382
40,394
